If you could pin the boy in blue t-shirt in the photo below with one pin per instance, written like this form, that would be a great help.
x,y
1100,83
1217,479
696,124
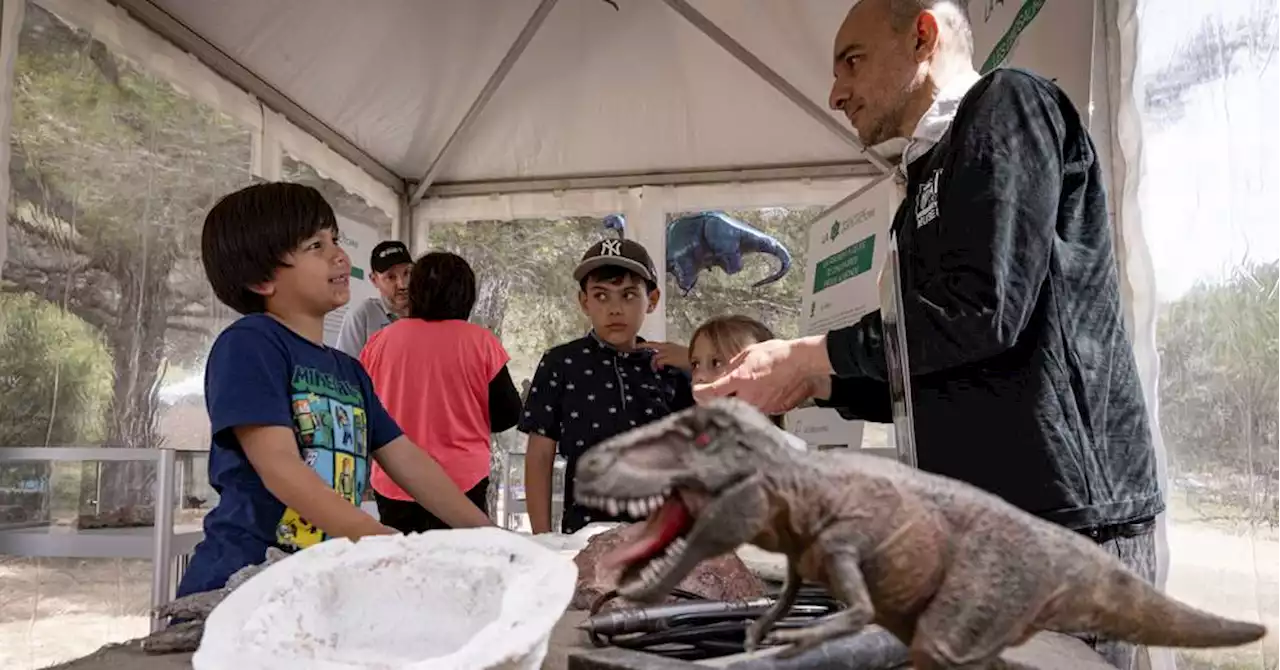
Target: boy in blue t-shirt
x,y
294,422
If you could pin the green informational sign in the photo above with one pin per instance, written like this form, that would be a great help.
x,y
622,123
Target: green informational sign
x,y
357,272
845,264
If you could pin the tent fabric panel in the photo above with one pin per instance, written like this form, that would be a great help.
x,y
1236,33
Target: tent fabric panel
x,y
640,80
371,71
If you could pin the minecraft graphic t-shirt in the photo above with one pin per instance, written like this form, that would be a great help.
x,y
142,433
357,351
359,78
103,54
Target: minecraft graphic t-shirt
x,y
260,373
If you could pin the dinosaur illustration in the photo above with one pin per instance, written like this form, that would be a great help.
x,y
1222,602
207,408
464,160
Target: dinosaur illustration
x,y
955,573
701,241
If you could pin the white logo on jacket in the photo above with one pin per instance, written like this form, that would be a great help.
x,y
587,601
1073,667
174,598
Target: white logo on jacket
x,y
927,200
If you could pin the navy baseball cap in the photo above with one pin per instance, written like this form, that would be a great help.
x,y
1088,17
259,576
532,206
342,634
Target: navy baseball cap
x,y
388,255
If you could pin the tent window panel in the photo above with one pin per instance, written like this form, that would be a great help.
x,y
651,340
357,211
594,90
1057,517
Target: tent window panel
x,y
1208,96
108,316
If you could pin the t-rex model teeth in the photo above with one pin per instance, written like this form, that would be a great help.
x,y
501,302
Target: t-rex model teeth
x,y
956,573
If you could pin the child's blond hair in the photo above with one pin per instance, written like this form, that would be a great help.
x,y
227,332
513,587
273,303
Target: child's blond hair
x,y
731,334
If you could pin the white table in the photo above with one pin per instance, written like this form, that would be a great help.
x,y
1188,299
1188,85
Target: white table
x,y
168,546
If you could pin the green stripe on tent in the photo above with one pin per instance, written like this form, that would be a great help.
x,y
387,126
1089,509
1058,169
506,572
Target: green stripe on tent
x,y
1000,52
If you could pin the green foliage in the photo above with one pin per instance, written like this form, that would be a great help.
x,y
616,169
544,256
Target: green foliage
x,y
528,266
531,263
1218,386
55,375
112,170
125,148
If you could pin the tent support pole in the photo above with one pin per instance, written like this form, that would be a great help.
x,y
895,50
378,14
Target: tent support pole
x,y
744,56
741,175
495,80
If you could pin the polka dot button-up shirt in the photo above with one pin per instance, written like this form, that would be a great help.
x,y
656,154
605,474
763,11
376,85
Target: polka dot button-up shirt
x,y
587,391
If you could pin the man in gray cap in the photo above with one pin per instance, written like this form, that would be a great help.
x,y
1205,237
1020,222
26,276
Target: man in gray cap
x,y
390,264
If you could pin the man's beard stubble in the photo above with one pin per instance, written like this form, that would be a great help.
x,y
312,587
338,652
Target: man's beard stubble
x,y
889,125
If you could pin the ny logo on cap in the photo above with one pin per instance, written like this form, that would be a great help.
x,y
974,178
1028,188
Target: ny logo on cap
x,y
611,248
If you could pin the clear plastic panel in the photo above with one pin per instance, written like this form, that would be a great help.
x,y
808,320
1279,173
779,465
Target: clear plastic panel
x,y
107,322
1208,98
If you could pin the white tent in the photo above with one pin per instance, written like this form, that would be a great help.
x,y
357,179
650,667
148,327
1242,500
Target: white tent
x,y
527,108
456,110
572,88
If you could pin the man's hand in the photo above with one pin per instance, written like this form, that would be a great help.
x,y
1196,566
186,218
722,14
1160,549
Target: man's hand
x,y
668,354
774,376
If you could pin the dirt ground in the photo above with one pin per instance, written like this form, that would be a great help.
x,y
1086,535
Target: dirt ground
x,y
55,610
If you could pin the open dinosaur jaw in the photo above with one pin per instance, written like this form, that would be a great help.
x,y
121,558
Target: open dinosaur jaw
x,y
650,553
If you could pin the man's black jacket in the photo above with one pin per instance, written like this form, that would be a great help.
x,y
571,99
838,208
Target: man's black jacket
x,y
1024,380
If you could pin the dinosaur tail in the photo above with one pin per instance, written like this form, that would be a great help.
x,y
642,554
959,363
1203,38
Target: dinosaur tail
x,y
775,249
1126,607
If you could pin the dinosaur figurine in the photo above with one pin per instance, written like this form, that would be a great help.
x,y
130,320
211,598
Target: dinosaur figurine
x,y
699,242
616,223
714,239
195,608
955,573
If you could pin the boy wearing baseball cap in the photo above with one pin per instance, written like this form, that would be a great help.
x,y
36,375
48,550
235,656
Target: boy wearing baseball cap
x,y
389,265
597,386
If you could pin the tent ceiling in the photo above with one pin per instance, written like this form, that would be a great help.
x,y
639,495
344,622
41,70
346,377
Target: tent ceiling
x,y
598,90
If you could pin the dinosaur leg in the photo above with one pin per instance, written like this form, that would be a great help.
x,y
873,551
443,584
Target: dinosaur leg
x,y
844,579
790,589
987,602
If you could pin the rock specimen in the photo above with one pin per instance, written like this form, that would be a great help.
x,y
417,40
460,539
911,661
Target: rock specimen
x,y
723,578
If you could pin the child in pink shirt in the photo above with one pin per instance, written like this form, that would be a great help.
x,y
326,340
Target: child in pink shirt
x,y
445,382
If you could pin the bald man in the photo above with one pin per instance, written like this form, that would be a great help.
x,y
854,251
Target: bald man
x,y
1023,378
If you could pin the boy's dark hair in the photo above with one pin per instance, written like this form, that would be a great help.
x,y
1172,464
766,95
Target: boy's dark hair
x,y
248,233
442,286
613,274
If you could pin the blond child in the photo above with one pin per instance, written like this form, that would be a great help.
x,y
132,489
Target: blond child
x,y
718,340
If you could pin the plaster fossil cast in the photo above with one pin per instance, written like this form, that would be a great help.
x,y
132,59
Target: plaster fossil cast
x,y
468,599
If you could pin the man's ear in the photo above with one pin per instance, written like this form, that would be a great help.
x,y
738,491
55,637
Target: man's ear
x,y
654,296
926,30
582,300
